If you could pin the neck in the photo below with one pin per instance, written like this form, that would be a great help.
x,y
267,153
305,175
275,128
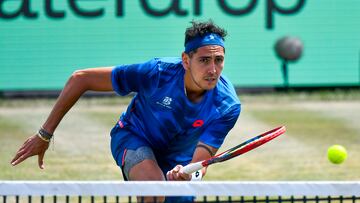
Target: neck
x,y
194,96
193,92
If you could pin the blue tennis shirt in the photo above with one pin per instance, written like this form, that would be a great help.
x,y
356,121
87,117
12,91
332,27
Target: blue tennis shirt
x,y
161,113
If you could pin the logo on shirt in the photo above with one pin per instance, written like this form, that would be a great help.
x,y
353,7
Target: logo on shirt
x,y
166,102
198,123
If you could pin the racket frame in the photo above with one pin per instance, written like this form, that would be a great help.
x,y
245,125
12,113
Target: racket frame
x,y
237,150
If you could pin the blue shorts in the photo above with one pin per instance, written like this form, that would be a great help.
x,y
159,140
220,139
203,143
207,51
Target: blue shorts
x,y
124,140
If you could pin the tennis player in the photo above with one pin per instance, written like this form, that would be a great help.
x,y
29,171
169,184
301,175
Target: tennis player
x,y
182,110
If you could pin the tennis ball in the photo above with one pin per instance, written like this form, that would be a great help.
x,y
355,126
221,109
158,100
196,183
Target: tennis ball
x,y
337,154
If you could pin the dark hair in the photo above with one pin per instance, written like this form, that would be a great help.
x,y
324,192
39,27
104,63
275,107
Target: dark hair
x,y
202,28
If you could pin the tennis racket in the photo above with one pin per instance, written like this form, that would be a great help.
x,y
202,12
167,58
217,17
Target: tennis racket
x,y
236,151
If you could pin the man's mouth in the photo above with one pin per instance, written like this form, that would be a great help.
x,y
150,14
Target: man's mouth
x,y
210,78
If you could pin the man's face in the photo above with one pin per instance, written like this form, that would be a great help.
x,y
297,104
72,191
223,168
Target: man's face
x,y
204,67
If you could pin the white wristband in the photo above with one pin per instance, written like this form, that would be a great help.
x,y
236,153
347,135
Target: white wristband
x,y
196,176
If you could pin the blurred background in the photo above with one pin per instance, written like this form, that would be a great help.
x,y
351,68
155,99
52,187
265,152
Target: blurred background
x,y
43,42
317,96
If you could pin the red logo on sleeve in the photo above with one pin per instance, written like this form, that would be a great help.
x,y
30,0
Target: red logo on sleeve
x,y
121,124
198,123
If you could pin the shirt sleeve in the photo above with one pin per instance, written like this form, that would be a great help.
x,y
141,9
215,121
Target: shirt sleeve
x,y
215,134
134,77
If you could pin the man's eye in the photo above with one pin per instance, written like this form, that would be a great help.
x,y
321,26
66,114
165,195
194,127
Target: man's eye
x,y
219,60
204,60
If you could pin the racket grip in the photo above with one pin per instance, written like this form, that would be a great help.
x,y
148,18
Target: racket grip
x,y
191,168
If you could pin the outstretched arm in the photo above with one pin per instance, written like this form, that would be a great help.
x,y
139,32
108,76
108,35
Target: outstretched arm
x,y
96,79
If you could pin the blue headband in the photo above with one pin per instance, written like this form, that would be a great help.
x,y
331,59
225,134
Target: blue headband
x,y
200,41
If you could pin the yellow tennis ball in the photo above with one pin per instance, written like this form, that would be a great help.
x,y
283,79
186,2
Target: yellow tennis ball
x,y
337,154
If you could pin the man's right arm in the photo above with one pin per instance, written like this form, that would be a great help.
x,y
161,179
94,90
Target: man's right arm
x,y
95,79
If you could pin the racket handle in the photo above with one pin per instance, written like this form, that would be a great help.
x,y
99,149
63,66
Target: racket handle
x,y
191,168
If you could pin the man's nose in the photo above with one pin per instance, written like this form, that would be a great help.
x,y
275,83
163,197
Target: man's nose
x,y
212,68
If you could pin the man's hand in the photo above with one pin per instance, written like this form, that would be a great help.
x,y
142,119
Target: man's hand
x,y
176,174
32,146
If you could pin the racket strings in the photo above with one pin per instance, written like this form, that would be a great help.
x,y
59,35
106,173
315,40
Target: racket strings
x,y
245,146
239,146
248,145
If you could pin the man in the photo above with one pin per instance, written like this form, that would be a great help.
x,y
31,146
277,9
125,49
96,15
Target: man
x,y
181,113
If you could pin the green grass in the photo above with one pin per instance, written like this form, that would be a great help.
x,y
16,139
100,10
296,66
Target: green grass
x,y
291,95
314,121
312,125
300,154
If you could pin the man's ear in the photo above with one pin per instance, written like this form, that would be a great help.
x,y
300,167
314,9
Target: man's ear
x,y
185,60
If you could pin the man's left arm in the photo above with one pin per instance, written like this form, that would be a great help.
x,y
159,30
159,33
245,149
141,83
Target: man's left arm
x,y
202,152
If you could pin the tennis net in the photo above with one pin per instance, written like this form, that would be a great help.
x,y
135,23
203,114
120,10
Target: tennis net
x,y
204,191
